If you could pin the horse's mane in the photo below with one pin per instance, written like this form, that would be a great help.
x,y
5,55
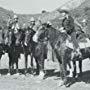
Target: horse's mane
x,y
56,35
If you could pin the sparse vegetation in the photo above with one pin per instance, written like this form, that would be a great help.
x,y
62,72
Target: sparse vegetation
x,y
83,8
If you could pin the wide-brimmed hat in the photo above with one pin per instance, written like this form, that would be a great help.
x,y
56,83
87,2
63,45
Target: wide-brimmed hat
x,y
84,20
49,23
63,11
15,17
32,19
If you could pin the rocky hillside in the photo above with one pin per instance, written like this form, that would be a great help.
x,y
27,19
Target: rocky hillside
x,y
4,15
78,8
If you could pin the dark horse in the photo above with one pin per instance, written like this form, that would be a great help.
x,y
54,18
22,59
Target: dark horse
x,y
12,43
38,50
57,40
2,45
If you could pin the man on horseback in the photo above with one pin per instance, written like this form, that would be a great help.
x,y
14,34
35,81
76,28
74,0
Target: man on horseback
x,y
9,23
84,26
15,25
32,23
69,26
31,27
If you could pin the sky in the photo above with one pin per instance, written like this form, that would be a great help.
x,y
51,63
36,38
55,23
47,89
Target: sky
x,y
31,6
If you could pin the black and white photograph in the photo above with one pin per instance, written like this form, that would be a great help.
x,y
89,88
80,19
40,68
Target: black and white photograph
x,y
44,44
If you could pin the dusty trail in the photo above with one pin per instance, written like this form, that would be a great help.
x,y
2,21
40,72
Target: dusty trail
x,y
28,82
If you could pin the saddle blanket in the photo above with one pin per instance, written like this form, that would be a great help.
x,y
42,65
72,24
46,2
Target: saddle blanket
x,y
82,45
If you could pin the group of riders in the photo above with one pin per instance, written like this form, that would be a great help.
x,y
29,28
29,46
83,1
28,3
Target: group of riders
x,y
68,27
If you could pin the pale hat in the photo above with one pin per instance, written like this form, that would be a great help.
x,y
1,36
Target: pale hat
x,y
32,19
84,20
15,17
49,23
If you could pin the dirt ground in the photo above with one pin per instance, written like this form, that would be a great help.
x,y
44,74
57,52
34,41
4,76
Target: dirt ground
x,y
29,82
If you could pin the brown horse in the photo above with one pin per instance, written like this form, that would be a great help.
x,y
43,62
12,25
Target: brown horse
x,y
12,43
38,51
2,45
63,53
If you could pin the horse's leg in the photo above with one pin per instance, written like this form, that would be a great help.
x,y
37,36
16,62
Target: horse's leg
x,y
60,67
32,68
53,55
60,62
37,67
17,71
64,72
70,69
74,65
80,67
26,58
10,65
64,64
41,64
0,61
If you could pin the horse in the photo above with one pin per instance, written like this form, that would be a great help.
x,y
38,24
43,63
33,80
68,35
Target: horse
x,y
12,43
18,43
58,40
38,51
2,45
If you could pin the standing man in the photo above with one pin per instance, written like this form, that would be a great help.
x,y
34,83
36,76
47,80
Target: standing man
x,y
69,26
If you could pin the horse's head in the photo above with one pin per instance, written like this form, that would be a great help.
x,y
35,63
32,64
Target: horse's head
x,y
8,37
28,36
41,34
51,34
11,38
18,37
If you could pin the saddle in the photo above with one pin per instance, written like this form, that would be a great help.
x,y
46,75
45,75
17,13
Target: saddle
x,y
83,42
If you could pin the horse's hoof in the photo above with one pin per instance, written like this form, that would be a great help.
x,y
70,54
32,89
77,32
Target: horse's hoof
x,y
41,76
17,74
61,83
25,72
36,73
0,75
22,76
31,76
74,75
38,81
67,85
71,75
8,74
80,75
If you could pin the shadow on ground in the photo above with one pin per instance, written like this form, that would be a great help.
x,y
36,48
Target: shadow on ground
x,y
21,71
85,77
